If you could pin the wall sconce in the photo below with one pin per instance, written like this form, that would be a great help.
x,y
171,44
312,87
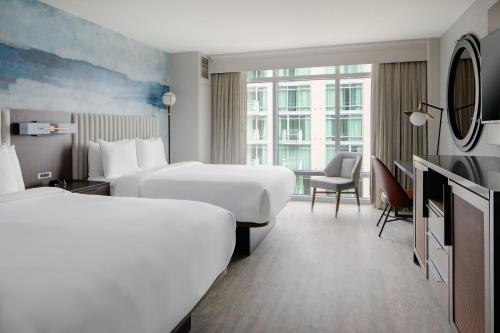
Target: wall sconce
x,y
36,128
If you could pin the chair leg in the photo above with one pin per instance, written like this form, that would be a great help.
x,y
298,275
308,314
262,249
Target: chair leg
x,y
357,198
383,213
338,203
385,221
313,198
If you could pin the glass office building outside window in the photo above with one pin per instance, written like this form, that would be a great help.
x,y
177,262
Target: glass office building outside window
x,y
318,111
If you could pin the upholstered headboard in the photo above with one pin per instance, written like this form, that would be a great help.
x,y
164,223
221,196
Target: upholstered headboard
x,y
93,127
4,126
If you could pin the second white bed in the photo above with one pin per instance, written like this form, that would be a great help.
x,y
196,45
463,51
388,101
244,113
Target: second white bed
x,y
252,194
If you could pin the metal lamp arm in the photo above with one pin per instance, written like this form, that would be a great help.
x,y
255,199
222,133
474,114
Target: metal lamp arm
x,y
432,106
440,121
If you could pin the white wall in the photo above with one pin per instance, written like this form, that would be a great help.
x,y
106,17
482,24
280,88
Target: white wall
x,y
433,90
191,115
475,21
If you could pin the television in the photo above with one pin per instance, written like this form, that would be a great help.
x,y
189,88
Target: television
x,y
490,77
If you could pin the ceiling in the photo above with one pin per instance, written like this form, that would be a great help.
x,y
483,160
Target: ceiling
x,y
232,26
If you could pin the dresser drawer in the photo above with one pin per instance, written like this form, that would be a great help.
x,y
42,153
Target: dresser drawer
x,y
435,224
439,256
439,286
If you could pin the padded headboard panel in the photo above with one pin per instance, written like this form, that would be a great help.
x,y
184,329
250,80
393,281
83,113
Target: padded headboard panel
x,y
93,127
4,126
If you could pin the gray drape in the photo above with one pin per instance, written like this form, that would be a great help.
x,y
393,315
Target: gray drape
x,y
229,118
396,87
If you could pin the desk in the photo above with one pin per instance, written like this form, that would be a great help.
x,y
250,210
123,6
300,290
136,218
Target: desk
x,y
404,166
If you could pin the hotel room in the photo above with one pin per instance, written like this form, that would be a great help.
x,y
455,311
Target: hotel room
x,y
274,166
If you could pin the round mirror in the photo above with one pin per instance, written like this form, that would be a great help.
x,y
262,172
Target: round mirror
x,y
463,93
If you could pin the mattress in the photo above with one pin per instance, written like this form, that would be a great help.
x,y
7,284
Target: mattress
x,y
252,194
79,263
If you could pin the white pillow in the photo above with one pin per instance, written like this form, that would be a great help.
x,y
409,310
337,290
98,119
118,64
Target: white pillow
x,y
95,160
16,168
150,153
118,158
8,182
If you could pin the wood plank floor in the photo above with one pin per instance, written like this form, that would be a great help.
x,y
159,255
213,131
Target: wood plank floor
x,y
317,274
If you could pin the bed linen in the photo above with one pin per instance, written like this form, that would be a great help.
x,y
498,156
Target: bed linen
x,y
80,263
252,194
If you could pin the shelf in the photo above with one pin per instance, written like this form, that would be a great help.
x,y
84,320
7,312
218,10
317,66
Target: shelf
x,y
437,205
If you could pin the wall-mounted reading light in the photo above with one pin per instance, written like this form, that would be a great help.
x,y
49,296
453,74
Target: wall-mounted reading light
x,y
35,128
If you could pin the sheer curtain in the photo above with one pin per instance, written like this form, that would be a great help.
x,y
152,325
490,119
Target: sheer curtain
x,y
229,118
396,87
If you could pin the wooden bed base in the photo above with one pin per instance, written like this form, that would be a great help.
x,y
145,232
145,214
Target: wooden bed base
x,y
250,235
184,325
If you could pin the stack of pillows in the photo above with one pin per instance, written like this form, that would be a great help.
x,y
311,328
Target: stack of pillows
x,y
114,159
11,178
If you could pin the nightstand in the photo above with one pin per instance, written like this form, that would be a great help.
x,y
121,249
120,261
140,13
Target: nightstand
x,y
87,187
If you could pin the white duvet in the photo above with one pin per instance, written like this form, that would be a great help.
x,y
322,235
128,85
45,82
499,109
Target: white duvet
x,y
252,194
78,263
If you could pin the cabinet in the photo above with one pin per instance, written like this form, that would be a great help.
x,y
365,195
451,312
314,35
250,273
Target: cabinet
x,y
420,214
470,253
454,215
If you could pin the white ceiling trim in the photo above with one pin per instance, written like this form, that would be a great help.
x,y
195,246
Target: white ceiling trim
x,y
368,53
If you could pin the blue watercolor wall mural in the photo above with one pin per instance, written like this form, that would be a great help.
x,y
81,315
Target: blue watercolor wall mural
x,y
52,60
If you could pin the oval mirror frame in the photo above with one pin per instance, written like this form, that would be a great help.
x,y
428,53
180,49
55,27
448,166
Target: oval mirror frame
x,y
465,142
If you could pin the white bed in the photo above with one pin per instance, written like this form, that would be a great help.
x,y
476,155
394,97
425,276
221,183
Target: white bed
x,y
103,150
79,263
252,194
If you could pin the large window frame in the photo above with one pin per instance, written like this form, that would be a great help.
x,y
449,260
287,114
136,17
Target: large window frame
x,y
336,79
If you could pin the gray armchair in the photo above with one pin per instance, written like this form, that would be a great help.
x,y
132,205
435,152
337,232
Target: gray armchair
x,y
341,174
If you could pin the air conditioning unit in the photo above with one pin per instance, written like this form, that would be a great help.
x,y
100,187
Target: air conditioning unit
x,y
204,68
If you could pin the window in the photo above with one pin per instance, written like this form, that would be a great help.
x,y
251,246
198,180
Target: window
x,y
351,128
351,98
351,69
330,97
301,117
294,96
293,72
259,122
257,154
258,74
295,157
294,128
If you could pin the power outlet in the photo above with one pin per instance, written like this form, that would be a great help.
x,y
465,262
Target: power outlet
x,y
44,175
